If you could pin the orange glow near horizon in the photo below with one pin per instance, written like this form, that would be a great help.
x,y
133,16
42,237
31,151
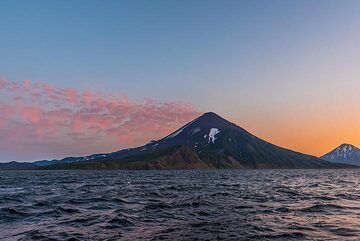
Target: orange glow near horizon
x,y
315,136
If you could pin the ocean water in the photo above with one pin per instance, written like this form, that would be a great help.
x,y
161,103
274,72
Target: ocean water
x,y
180,205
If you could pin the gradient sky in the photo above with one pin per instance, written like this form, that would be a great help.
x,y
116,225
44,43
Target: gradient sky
x,y
81,76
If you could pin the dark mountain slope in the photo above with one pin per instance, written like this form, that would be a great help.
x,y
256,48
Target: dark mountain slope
x,y
177,157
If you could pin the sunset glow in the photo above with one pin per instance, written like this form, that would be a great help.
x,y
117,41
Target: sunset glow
x,y
100,77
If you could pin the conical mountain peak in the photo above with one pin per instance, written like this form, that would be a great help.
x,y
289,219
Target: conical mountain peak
x,y
208,141
347,146
345,153
213,120
210,115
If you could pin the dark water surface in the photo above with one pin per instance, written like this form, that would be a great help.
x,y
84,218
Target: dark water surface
x,y
180,205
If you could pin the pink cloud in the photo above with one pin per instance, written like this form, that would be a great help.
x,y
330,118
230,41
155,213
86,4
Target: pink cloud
x,y
31,114
44,116
71,95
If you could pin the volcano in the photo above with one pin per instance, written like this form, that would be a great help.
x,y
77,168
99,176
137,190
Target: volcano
x,y
345,153
208,142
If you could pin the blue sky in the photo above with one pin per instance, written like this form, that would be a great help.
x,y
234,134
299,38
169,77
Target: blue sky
x,y
165,48
255,62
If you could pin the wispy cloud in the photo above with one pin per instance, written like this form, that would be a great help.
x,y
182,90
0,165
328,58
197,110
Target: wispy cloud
x,y
41,120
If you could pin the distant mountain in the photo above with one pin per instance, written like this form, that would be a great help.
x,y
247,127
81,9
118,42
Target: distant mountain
x,y
68,160
17,166
345,153
206,142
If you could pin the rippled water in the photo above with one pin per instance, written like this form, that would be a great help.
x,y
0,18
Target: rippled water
x,y
180,205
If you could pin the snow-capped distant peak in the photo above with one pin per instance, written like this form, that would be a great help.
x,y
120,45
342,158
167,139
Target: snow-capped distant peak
x,y
212,133
345,153
346,147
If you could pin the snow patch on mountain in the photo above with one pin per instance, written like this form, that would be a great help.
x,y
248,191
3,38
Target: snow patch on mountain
x,y
212,133
195,130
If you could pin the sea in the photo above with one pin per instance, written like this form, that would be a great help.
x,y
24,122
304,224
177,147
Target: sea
x,y
180,205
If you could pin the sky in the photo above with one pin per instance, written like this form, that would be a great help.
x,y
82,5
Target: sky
x,y
80,77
